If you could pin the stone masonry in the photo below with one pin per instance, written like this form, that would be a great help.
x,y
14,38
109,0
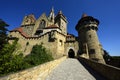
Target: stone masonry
x,y
51,31
89,44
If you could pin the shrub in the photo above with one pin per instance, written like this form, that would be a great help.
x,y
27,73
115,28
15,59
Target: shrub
x,y
39,55
10,62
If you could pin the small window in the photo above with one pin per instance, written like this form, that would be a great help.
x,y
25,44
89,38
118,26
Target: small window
x,y
88,28
38,32
92,51
61,43
10,36
89,36
27,43
51,37
93,27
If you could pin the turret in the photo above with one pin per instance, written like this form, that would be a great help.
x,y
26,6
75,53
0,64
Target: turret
x,y
88,40
61,21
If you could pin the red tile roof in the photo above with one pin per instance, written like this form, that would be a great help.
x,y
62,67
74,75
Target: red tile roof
x,y
20,29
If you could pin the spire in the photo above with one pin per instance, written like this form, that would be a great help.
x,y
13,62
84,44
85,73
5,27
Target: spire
x,y
52,15
52,9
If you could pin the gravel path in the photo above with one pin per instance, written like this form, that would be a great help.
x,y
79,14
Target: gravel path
x,y
70,69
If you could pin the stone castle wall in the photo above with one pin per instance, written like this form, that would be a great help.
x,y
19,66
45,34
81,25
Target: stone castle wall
x,y
50,30
28,29
56,47
109,72
71,45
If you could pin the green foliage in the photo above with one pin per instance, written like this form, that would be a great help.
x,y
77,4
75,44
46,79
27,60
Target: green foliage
x,y
38,55
111,60
12,60
116,57
3,35
106,56
115,61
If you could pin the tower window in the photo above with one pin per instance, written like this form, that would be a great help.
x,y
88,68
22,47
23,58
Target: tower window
x,y
61,43
88,28
10,36
92,51
51,37
90,36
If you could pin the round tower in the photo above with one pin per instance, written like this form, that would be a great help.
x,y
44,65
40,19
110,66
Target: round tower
x,y
88,40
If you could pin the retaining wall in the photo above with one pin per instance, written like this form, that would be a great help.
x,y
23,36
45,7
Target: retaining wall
x,y
110,72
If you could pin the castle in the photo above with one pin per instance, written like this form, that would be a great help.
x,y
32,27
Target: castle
x,y
51,31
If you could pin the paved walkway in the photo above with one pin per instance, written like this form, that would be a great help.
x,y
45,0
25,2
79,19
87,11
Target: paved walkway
x,y
72,69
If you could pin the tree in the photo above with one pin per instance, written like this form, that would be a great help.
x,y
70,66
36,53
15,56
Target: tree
x,y
106,56
10,62
3,33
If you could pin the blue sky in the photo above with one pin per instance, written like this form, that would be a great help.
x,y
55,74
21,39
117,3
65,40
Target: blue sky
x,y
106,11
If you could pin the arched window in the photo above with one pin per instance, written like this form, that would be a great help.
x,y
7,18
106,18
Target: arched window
x,y
42,24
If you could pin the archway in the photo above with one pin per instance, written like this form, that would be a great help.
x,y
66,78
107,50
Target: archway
x,y
71,53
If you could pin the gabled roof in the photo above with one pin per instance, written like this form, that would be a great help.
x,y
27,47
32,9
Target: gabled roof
x,y
43,16
20,30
